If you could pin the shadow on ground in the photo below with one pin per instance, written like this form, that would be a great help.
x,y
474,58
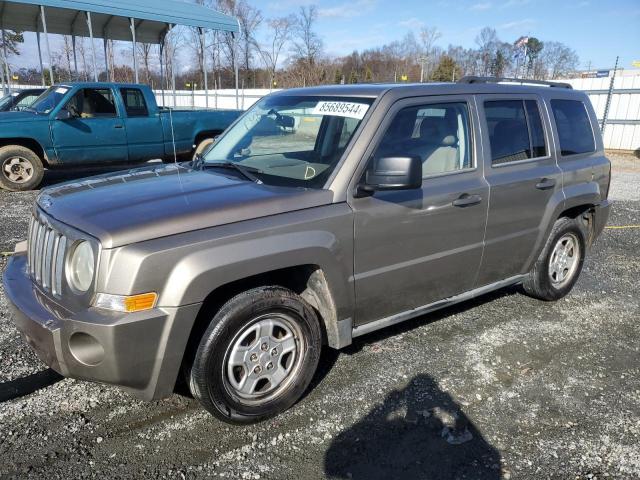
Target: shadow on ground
x,y
419,432
27,385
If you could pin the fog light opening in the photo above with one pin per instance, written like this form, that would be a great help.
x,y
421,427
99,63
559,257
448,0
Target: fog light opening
x,y
86,349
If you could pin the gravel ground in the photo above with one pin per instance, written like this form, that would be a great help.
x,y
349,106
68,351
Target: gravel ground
x,y
501,387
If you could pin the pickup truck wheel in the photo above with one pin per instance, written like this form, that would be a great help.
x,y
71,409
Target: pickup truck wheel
x,y
258,355
20,168
559,265
202,146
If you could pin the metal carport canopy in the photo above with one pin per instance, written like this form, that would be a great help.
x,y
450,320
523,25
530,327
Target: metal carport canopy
x,y
111,18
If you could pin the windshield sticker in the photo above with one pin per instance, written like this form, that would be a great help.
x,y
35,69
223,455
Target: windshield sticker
x,y
341,109
62,90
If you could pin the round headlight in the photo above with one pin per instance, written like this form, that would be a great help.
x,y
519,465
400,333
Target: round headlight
x,y
81,266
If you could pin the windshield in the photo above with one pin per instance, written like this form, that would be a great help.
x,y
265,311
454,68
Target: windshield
x,y
49,99
291,140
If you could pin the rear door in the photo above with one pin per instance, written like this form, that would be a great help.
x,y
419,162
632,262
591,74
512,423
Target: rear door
x,y
97,135
415,247
523,176
144,127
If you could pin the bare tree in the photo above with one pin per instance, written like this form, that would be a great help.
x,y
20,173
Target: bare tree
x,y
558,60
428,39
279,34
487,41
307,45
145,52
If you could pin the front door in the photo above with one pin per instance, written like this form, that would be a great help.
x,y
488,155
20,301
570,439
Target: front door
x,y
523,176
96,134
415,247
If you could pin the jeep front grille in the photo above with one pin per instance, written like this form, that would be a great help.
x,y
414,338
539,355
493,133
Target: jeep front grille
x,y
46,253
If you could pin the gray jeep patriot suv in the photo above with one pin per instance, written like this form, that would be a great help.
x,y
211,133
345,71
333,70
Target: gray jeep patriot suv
x,y
320,215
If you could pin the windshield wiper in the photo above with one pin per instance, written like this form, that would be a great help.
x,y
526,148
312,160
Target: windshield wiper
x,y
247,172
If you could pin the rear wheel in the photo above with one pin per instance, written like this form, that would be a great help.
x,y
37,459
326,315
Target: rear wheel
x,y
258,355
559,265
20,168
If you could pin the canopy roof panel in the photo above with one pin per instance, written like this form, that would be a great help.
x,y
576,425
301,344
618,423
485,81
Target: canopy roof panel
x,y
110,18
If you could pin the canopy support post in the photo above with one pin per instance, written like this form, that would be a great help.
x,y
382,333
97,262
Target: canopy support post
x,y
204,66
173,71
75,56
93,47
162,69
6,80
135,57
106,57
46,42
40,58
235,67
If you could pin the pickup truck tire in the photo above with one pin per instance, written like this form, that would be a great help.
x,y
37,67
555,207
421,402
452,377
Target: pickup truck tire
x,y
20,168
201,147
559,265
258,355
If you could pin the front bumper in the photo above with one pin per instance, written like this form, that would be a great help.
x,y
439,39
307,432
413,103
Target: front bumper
x,y
140,352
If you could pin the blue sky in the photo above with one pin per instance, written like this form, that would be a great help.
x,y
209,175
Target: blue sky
x,y
598,30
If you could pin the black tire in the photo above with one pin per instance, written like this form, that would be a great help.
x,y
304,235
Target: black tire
x,y
539,283
209,374
202,146
28,178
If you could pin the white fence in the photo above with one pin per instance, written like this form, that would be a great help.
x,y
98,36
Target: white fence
x,y
622,131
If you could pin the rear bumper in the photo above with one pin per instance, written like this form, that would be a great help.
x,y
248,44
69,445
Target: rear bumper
x,y
140,352
601,217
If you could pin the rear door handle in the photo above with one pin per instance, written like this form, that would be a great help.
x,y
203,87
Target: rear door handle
x,y
546,184
118,126
466,200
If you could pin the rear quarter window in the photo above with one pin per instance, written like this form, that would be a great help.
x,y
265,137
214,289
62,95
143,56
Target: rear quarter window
x,y
574,128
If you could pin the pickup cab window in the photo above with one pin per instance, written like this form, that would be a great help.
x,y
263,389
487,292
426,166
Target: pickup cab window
x,y
437,133
134,103
291,140
515,130
93,103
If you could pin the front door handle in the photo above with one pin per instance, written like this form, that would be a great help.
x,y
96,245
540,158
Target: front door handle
x,y
118,126
546,184
466,200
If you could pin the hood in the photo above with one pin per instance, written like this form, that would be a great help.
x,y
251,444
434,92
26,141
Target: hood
x,y
21,116
152,202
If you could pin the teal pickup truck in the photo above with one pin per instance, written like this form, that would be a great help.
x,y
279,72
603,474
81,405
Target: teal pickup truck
x,y
78,124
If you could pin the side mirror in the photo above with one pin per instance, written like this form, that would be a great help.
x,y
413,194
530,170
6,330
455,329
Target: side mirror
x,y
393,173
64,114
286,121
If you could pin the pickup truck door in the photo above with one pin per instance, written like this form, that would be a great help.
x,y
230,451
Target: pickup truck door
x,y
143,125
523,177
96,134
415,247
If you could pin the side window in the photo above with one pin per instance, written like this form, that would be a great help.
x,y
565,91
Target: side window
x,y
574,128
515,130
438,133
93,103
134,102
26,101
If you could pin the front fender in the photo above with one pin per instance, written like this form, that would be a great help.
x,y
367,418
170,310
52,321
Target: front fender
x,y
185,268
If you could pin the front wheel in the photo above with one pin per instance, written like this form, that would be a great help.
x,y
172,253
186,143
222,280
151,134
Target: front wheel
x,y
559,265
20,168
258,355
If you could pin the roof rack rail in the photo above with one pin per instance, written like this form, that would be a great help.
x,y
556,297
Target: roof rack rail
x,y
522,81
